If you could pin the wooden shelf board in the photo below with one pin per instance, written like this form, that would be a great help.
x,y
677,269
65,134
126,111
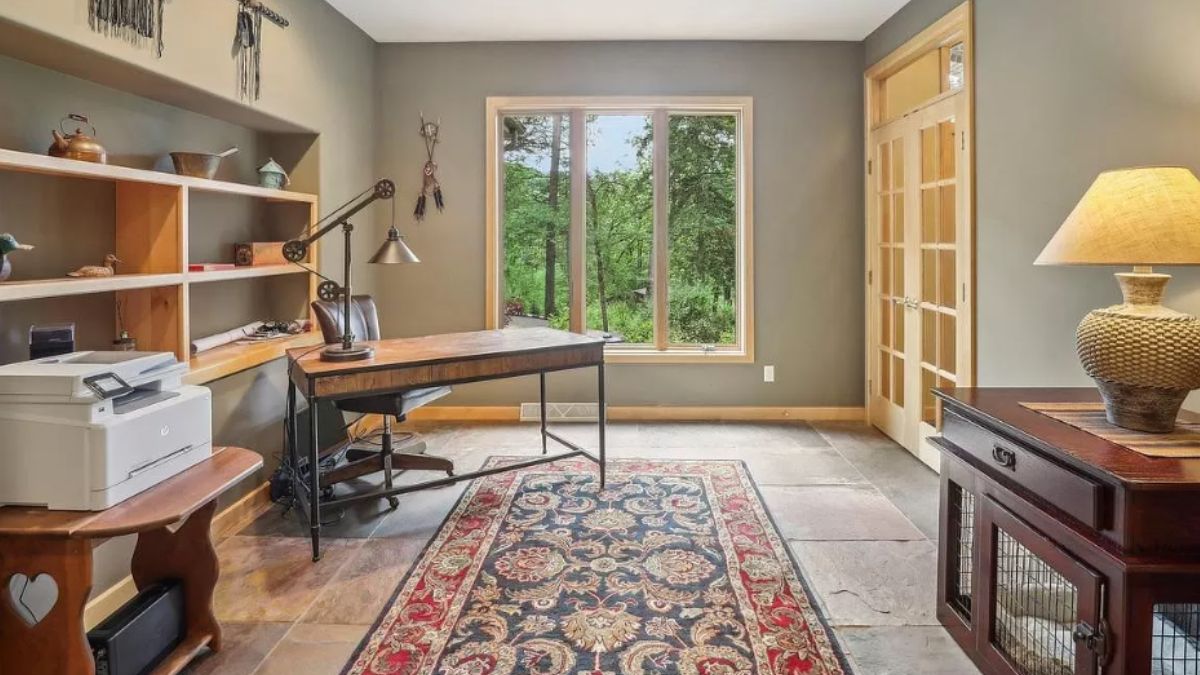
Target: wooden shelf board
x,y
50,288
28,162
181,656
250,272
229,359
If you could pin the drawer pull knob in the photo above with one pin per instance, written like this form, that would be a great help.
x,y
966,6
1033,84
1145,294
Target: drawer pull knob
x,y
1005,457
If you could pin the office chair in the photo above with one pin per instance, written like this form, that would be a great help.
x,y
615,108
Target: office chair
x,y
364,323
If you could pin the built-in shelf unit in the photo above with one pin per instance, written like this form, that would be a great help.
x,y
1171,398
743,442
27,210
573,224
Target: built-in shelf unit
x,y
153,287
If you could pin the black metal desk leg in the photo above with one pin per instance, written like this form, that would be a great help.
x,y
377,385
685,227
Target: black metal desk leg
x,y
314,481
293,458
603,417
542,400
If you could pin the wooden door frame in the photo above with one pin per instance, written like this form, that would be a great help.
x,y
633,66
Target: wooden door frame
x,y
955,26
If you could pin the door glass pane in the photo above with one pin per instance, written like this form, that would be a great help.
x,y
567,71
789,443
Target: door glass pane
x,y
929,337
929,158
956,75
885,374
702,229
885,218
898,164
947,277
885,323
620,227
928,215
946,149
947,349
885,167
928,402
947,215
898,217
898,381
536,218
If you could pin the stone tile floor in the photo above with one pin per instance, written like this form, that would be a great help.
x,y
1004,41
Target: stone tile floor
x,y
859,512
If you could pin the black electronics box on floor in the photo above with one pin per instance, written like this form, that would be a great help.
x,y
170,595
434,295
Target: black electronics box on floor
x,y
140,634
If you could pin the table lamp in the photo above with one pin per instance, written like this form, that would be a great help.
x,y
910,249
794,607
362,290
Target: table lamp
x,y
393,251
1144,357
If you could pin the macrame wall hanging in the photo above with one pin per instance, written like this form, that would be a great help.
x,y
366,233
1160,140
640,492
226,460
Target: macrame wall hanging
x,y
247,45
429,181
135,21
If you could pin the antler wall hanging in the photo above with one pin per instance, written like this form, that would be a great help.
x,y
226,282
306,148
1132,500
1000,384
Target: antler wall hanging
x,y
247,45
429,181
135,21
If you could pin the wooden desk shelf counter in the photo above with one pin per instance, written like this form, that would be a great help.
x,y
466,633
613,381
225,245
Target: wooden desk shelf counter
x,y
153,219
172,521
1062,553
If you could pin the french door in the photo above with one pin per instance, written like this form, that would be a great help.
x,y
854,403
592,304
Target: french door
x,y
919,271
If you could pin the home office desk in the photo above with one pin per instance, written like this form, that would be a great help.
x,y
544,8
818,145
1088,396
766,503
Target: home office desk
x,y
429,361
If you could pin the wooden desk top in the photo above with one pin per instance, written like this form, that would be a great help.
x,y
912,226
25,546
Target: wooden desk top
x,y
450,347
1084,451
169,502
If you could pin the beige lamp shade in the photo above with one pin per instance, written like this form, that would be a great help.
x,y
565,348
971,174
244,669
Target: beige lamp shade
x,y
1148,216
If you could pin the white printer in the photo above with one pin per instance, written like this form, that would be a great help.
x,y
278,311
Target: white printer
x,y
85,431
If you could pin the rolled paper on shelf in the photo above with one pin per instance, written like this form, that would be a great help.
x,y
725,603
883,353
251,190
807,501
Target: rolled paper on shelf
x,y
200,345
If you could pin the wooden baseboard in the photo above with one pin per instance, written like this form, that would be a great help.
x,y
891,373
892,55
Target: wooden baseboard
x,y
231,519
653,413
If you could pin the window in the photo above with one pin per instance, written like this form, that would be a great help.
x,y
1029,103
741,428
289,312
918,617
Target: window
x,y
627,218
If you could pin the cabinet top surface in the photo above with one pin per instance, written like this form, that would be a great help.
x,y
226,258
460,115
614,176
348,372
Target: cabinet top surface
x,y
1000,410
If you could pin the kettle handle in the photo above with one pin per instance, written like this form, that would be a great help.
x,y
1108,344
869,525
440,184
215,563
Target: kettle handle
x,y
78,118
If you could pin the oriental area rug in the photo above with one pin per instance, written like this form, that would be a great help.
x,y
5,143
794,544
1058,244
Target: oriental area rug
x,y
674,567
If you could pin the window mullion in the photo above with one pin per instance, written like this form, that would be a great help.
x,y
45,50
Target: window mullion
x,y
577,235
661,216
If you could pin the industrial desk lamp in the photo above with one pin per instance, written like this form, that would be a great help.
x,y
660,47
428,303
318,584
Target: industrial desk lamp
x,y
1144,357
393,251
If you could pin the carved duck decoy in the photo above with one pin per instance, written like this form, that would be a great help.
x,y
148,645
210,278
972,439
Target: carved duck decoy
x,y
103,270
8,244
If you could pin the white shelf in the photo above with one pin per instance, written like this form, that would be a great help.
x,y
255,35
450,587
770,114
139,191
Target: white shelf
x,y
11,291
28,162
249,272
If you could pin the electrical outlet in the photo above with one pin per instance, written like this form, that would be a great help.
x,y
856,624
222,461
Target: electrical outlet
x,y
768,373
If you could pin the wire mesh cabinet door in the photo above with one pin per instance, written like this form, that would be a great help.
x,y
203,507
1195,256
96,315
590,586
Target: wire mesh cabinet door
x,y
958,560
1042,614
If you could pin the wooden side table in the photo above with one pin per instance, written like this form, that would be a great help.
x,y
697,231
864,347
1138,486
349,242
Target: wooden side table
x,y
1061,552
172,520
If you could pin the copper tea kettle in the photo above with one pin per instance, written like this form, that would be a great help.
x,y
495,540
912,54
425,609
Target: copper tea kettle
x,y
77,145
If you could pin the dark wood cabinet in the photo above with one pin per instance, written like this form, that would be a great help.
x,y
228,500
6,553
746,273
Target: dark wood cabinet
x,y
1061,553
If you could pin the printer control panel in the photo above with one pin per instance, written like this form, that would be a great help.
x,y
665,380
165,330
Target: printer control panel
x,y
107,385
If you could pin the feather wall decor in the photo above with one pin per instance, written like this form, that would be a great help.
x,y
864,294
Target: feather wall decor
x,y
135,21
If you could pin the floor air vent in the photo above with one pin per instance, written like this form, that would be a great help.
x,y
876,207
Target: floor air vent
x,y
561,412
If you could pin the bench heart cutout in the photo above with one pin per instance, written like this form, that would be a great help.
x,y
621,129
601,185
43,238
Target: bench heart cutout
x,y
32,599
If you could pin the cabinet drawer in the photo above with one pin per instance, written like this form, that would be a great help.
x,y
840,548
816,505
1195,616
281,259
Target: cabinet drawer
x,y
1025,469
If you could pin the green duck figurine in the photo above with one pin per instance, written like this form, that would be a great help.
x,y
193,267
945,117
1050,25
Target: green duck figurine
x,y
8,244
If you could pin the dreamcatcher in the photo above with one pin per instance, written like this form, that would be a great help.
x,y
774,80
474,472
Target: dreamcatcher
x,y
429,181
135,21
247,45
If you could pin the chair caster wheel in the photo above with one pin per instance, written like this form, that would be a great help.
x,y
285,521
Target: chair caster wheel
x,y
450,473
393,503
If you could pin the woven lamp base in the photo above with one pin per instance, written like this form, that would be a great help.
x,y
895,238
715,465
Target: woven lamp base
x,y
1144,357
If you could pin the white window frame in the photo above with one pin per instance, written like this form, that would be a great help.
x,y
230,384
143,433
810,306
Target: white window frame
x,y
578,107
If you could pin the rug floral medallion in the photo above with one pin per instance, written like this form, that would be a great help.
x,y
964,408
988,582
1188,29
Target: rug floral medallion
x,y
674,567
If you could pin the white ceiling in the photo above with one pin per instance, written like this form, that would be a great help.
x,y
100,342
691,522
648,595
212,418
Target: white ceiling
x,y
544,20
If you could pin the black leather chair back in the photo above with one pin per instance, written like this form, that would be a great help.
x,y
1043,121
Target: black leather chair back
x,y
364,319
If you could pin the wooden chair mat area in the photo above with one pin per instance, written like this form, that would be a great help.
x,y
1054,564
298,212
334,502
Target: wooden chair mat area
x,y
1182,443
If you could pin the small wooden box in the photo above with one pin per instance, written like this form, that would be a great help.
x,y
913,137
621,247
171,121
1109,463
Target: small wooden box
x,y
256,253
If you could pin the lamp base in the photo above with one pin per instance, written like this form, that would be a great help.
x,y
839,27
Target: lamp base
x,y
1144,357
1141,408
338,353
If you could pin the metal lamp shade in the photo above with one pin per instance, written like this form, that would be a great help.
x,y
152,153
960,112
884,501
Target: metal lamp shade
x,y
394,251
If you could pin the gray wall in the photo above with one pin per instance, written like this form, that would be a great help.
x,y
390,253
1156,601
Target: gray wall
x,y
1064,90
807,199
